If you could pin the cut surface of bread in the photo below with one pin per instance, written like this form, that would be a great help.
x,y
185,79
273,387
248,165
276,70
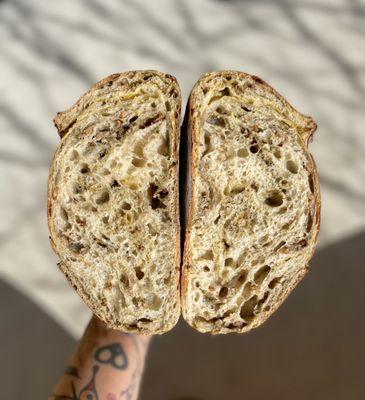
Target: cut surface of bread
x,y
113,200
253,214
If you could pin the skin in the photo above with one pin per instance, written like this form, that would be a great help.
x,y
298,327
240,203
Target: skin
x,y
106,365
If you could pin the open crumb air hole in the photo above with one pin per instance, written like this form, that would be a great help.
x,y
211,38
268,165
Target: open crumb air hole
x,y
74,155
102,198
274,283
228,262
292,167
243,153
138,162
139,273
261,274
208,255
84,169
275,199
254,148
247,310
223,292
216,121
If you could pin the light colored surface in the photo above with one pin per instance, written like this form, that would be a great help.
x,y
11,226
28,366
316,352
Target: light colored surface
x,y
51,52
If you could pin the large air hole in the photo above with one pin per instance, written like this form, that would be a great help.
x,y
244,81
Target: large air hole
x,y
138,162
102,153
138,149
64,214
151,121
163,149
254,148
139,273
74,155
281,244
151,230
102,198
247,310
207,143
76,247
309,223
225,92
156,302
274,283
277,153
130,183
126,206
263,299
311,183
292,166
261,274
243,153
275,199
234,189
84,169
247,290
216,121
221,110
208,255
242,277
225,244
223,292
228,262
154,196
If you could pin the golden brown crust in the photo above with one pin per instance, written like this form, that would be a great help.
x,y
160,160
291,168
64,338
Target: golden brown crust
x,y
63,122
191,132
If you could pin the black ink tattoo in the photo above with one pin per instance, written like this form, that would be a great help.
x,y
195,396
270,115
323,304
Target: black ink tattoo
x,y
71,370
112,354
89,392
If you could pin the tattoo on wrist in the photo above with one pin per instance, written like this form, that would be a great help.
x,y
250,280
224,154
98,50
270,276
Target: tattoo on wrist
x,y
88,392
112,354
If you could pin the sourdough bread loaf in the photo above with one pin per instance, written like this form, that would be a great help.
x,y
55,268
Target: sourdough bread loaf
x,y
254,211
113,200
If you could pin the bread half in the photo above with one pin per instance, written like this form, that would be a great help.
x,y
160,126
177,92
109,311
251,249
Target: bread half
x,y
254,209
113,210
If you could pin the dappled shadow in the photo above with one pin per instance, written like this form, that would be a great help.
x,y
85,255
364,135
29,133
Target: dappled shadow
x,y
34,349
312,348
